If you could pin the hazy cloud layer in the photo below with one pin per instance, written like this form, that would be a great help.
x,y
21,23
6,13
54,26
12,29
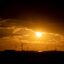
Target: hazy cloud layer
x,y
13,34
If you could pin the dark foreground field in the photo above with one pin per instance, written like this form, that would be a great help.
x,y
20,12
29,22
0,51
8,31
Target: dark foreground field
x,y
32,56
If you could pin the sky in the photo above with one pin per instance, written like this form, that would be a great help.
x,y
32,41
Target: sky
x,y
21,19
41,14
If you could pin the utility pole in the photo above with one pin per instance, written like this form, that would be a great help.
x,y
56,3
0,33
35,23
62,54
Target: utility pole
x,y
22,46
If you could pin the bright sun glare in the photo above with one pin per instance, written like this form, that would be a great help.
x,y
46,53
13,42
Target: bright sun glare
x,y
38,34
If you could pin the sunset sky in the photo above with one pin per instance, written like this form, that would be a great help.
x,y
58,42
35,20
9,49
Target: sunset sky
x,y
19,23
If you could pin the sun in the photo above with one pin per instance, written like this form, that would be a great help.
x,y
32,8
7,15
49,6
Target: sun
x,y
38,34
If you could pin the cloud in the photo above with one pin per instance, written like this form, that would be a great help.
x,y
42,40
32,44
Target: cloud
x,y
12,29
13,34
2,21
28,35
